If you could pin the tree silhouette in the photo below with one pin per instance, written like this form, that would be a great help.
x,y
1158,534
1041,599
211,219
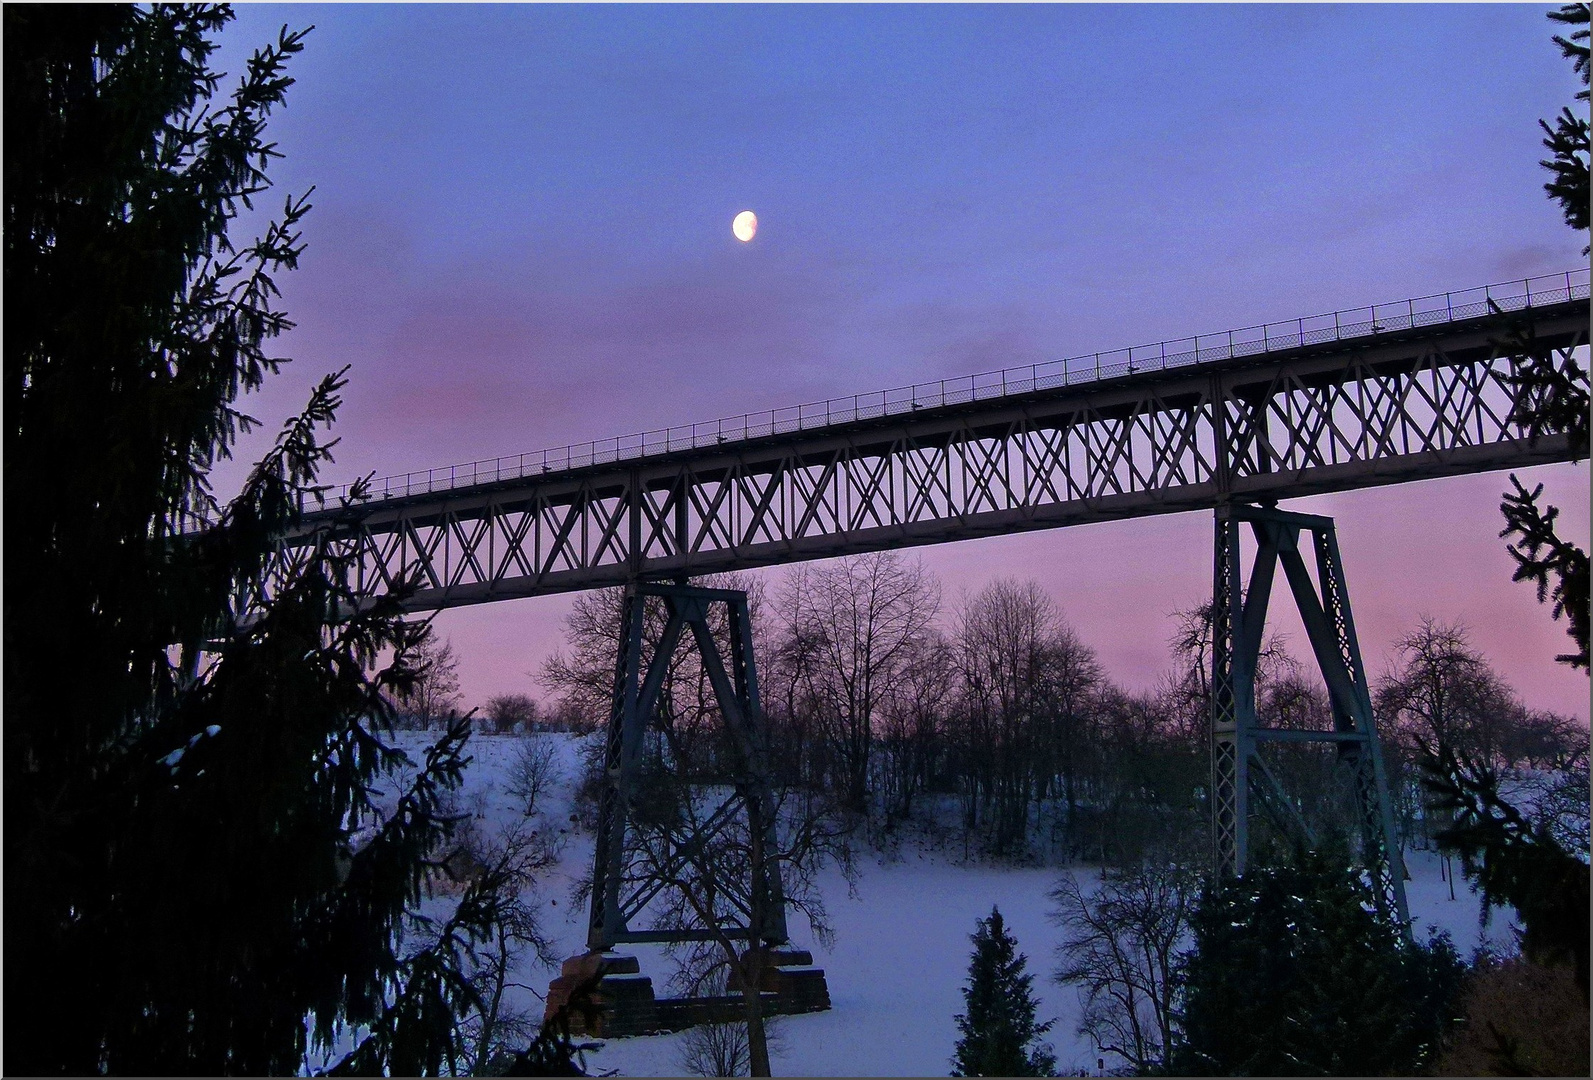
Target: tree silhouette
x,y
998,1028
199,878
1551,388
1567,140
1513,859
1294,974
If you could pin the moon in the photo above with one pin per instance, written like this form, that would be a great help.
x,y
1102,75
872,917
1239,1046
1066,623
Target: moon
x,y
745,226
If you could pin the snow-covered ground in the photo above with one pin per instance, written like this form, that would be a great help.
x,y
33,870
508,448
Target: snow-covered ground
x,y
901,945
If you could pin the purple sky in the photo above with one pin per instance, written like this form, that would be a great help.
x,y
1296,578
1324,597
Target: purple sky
x,y
522,239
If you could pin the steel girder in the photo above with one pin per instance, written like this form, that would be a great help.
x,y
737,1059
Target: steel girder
x,y
1422,403
1239,776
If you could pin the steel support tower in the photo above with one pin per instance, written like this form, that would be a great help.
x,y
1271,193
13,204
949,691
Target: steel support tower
x,y
1239,775
621,893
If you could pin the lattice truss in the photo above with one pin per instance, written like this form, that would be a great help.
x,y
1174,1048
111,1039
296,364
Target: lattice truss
x,y
1155,442
1303,420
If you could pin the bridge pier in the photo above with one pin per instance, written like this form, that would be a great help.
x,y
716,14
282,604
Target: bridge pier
x,y
1239,775
651,841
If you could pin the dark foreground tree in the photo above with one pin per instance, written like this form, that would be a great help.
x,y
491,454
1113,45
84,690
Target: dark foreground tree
x,y
1567,140
1516,860
1525,859
1552,388
198,878
999,1034
1294,974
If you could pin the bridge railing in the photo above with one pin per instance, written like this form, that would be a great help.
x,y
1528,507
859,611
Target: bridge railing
x,y
1352,323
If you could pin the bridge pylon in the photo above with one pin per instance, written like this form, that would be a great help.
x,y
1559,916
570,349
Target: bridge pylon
x,y
662,831
1239,775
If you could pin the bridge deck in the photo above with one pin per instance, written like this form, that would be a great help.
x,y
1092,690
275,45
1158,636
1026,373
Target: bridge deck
x,y
1404,392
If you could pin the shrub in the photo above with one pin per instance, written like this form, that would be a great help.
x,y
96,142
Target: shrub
x,y
508,712
1293,973
1521,1019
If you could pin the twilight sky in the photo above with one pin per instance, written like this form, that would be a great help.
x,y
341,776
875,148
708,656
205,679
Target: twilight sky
x,y
521,238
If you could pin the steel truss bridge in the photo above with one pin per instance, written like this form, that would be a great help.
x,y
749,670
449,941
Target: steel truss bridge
x,y
1232,423
1381,395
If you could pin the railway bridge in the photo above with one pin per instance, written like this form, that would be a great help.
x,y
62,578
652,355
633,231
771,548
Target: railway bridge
x,y
1379,395
1233,422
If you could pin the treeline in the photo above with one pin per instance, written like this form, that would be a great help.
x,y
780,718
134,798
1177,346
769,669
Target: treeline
x,y
433,702
994,724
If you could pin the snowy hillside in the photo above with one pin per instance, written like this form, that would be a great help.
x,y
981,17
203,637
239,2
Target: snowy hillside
x,y
901,946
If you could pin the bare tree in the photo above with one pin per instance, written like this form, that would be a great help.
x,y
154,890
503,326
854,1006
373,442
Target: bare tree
x,y
582,674
1120,949
1070,680
851,627
1001,636
494,874
534,770
1438,691
1190,684
1026,680
702,886
1441,690
569,715
719,1047
1287,696
500,1027
506,712
1146,776
435,693
695,856
916,710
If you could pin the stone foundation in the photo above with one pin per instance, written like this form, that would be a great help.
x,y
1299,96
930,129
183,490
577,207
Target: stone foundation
x,y
624,996
626,1006
797,986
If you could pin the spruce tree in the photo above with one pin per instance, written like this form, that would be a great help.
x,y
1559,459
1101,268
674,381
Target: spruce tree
x,y
999,1034
1551,388
198,878
1514,859
1567,140
1293,973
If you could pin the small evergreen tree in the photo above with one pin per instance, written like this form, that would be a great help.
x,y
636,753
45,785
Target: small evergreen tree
x,y
1293,973
999,1033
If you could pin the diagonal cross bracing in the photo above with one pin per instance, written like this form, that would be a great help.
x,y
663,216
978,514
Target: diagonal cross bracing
x,y
1430,400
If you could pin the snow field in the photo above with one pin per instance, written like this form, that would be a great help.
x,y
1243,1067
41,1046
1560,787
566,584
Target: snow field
x,y
901,947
